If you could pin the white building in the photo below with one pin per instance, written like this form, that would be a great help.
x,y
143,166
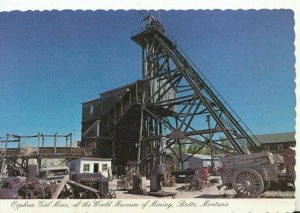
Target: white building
x,y
91,165
197,161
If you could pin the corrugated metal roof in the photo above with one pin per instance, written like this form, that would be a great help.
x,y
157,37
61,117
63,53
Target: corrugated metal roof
x,y
94,159
277,137
119,88
91,100
205,157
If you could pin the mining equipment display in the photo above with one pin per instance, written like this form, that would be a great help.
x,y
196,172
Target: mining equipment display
x,y
172,105
147,121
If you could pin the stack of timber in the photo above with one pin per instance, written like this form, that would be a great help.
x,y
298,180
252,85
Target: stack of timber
x,y
261,162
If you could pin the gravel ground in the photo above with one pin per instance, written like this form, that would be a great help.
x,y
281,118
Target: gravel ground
x,y
211,191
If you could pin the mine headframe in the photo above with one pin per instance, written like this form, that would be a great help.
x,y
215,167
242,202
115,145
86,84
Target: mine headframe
x,y
180,106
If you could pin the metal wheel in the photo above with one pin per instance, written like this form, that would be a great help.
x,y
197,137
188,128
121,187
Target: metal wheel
x,y
189,183
28,194
196,183
248,183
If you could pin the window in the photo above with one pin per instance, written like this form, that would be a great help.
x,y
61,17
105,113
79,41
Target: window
x,y
96,167
91,109
104,167
86,167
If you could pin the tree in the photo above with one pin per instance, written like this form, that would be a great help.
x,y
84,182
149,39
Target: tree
x,y
225,142
194,147
176,148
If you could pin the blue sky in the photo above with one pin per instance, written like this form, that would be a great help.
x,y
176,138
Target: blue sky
x,y
51,62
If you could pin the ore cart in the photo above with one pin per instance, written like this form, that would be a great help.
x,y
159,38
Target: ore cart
x,y
250,175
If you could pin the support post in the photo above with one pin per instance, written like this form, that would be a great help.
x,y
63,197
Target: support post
x,y
136,93
113,151
210,142
143,62
180,154
141,132
6,142
39,161
115,116
19,144
55,141
71,143
39,137
122,107
38,148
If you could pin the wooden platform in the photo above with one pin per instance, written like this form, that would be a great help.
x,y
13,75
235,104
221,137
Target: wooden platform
x,y
46,152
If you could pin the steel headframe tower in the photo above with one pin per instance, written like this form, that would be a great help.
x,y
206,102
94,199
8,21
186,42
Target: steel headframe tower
x,y
176,102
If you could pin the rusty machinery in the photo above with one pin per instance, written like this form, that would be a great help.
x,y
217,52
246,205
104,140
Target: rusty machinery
x,y
96,181
132,181
80,186
197,181
28,188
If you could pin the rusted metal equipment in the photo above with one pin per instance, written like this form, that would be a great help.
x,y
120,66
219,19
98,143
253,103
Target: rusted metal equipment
x,y
32,188
81,186
122,184
136,184
132,181
289,157
29,188
95,181
169,180
180,176
84,192
197,182
10,187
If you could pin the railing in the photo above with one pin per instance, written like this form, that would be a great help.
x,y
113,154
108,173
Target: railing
x,y
123,106
198,84
41,149
219,96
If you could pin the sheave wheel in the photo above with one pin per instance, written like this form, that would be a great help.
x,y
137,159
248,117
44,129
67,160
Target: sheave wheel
x,y
247,183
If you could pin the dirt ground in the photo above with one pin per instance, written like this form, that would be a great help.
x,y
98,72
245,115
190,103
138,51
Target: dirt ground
x,y
211,191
